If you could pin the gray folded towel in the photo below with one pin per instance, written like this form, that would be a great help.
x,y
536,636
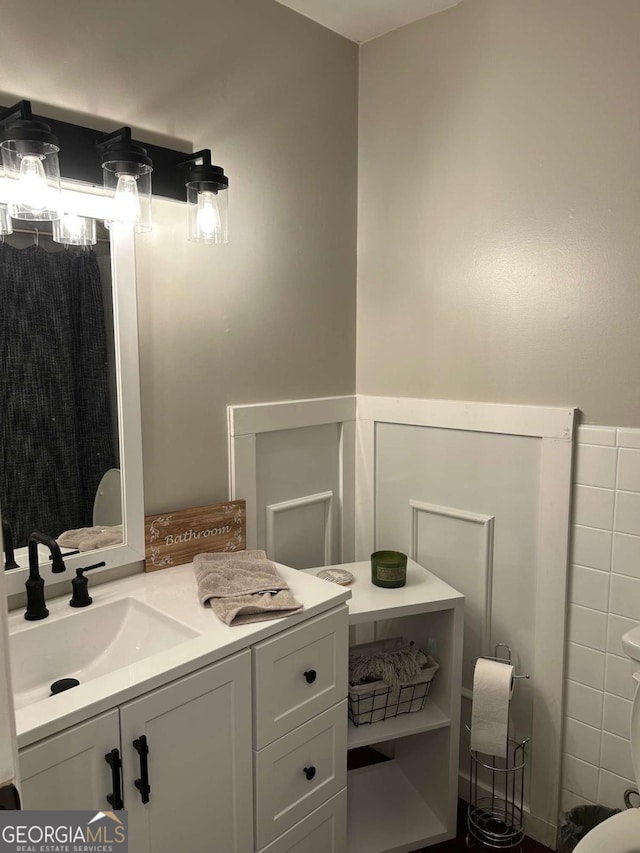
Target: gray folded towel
x,y
90,538
243,586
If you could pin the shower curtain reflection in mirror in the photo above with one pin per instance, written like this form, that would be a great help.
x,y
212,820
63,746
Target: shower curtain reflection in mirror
x,y
57,435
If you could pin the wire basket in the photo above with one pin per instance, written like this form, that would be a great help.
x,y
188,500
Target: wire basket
x,y
376,700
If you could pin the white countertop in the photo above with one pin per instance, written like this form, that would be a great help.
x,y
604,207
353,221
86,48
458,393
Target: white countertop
x,y
173,592
422,593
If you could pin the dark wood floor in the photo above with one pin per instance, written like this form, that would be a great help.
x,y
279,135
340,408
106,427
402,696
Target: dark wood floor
x,y
458,845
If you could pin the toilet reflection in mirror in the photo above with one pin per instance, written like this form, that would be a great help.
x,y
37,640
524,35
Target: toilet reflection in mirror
x,y
59,449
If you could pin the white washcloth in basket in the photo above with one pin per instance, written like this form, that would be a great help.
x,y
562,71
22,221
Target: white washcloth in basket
x,y
395,667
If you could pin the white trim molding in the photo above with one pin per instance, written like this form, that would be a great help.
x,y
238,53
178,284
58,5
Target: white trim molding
x,y
272,511
292,414
537,421
487,522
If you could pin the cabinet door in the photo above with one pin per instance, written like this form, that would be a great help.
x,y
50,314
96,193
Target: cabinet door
x,y
69,771
198,733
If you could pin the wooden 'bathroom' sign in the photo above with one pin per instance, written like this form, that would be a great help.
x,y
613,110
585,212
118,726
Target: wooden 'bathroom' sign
x,y
174,538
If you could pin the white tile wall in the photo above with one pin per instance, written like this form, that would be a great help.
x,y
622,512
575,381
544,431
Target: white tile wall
x,y
588,627
586,666
617,713
604,602
593,507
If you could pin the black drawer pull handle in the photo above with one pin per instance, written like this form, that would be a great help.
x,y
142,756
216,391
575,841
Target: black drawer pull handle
x,y
310,772
115,763
311,676
142,784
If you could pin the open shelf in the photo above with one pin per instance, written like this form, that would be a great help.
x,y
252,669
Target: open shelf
x,y
428,719
386,813
402,790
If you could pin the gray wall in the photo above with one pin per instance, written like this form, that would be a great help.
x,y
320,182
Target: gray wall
x,y
272,315
499,207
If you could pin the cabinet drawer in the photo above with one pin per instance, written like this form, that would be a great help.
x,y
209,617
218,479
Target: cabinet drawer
x,y
299,772
299,674
323,831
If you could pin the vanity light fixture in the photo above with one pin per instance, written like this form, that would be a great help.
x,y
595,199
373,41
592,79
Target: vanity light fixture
x,y
6,226
30,160
127,169
72,230
30,146
207,199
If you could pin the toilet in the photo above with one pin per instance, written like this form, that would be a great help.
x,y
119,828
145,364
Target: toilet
x,y
107,505
621,833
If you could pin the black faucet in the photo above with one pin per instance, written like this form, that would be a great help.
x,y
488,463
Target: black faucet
x,y
7,540
36,607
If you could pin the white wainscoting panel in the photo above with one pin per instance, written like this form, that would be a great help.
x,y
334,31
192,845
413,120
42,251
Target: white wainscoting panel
x,y
458,545
430,469
478,493
294,464
299,528
486,546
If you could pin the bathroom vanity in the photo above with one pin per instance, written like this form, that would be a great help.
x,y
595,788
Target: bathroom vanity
x,y
214,708
236,739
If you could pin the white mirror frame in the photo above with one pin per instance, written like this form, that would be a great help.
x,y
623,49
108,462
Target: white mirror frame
x,y
85,201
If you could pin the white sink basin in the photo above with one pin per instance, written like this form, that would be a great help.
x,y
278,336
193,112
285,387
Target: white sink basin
x,y
87,644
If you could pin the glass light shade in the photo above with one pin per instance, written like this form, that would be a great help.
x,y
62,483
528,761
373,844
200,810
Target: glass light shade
x,y
208,213
6,226
34,179
128,185
75,230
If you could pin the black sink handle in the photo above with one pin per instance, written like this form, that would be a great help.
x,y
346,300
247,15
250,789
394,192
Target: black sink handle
x,y
80,587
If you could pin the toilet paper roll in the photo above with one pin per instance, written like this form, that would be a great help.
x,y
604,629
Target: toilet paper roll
x,y
492,689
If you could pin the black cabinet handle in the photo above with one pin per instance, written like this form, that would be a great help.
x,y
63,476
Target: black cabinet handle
x,y
142,784
311,676
115,763
310,772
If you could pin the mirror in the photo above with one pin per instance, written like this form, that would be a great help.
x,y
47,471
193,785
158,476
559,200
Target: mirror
x,y
59,450
90,475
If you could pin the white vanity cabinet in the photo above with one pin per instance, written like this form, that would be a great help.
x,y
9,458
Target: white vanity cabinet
x,y
247,754
198,733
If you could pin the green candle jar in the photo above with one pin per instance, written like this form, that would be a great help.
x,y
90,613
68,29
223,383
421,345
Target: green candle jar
x,y
388,568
